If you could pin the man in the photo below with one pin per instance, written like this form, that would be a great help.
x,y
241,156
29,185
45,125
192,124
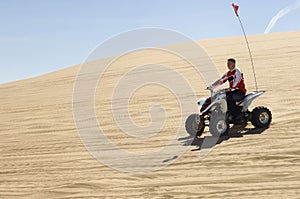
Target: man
x,y
237,89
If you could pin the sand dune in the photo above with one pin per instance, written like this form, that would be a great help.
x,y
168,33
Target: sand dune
x,y
42,155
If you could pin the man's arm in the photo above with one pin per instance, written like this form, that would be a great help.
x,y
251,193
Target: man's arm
x,y
220,81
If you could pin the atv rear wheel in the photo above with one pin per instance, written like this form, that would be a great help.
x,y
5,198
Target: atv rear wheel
x,y
261,117
194,126
218,125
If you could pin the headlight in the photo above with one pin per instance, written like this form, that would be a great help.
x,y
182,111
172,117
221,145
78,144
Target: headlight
x,y
201,101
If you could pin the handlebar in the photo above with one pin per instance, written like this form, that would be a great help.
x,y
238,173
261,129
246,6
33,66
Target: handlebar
x,y
211,89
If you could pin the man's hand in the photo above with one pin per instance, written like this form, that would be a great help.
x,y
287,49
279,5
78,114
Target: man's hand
x,y
210,87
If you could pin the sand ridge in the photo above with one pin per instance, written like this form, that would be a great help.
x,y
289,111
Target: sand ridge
x,y
42,156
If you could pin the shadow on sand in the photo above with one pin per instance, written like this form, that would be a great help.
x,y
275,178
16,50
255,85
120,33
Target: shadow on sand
x,y
237,131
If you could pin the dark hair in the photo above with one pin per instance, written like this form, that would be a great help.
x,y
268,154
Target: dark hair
x,y
231,60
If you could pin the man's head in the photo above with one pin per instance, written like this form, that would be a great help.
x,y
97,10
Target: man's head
x,y
231,63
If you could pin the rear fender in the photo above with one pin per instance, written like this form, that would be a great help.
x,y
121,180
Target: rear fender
x,y
245,103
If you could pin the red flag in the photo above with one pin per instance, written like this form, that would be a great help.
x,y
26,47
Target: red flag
x,y
235,7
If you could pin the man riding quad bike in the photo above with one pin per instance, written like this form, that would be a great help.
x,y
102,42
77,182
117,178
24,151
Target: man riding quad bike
x,y
228,106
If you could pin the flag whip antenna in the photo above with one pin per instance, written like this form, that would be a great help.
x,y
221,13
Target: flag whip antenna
x,y
235,8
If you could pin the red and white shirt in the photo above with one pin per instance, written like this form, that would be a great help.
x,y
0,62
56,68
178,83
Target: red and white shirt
x,y
236,80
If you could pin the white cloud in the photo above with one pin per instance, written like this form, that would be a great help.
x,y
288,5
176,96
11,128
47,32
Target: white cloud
x,y
280,14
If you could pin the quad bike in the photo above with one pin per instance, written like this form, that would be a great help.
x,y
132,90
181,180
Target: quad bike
x,y
214,114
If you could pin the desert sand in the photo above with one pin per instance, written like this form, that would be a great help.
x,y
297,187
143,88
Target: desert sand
x,y
42,156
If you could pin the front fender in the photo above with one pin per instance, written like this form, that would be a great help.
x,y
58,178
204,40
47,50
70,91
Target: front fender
x,y
217,103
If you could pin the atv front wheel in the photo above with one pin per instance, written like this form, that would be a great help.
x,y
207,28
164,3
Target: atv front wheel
x,y
261,117
194,126
218,125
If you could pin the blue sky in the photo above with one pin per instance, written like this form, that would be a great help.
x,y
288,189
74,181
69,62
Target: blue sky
x,y
41,36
